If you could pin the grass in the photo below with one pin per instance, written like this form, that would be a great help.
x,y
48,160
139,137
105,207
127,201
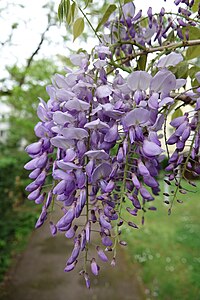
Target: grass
x,y
167,249
16,226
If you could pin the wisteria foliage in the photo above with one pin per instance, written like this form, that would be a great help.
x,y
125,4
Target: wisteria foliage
x,y
99,146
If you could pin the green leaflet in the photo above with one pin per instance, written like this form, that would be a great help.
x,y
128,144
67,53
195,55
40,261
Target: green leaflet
x,y
111,8
192,52
78,27
177,113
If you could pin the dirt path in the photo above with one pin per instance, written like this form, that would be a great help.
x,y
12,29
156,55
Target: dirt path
x,y
39,275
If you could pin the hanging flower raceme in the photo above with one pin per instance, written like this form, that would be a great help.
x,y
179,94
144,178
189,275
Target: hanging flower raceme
x,y
99,150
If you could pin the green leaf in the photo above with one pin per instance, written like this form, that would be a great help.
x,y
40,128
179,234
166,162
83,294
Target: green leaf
x,y
111,8
182,70
194,32
195,6
60,11
87,2
192,71
127,1
192,52
177,113
66,9
141,64
78,27
73,8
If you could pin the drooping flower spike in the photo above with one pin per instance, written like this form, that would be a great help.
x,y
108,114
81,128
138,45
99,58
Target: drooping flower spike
x,y
99,140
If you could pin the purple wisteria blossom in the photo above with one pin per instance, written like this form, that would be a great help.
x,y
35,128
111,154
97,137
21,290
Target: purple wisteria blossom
x,y
99,147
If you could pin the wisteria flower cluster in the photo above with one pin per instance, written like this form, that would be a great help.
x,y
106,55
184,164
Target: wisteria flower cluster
x,y
99,149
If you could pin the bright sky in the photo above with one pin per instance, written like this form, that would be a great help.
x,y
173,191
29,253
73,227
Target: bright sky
x,y
32,22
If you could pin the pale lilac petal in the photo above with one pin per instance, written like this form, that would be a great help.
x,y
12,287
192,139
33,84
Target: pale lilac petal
x,y
61,118
177,121
171,59
151,149
101,254
70,155
34,148
142,169
94,267
139,80
77,105
166,101
128,10
97,124
102,171
197,75
103,91
74,133
112,134
164,81
153,101
75,253
61,142
67,218
138,116
67,166
180,83
97,154
71,267
145,194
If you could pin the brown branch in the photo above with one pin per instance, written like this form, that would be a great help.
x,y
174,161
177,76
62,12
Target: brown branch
x,y
171,46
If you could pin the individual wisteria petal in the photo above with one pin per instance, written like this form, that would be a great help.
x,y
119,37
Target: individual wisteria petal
x,y
97,124
34,148
136,116
153,101
136,181
67,218
67,166
145,194
71,232
77,105
128,10
177,121
87,280
35,194
171,59
180,83
74,133
71,267
103,91
94,267
166,101
112,134
61,142
139,80
163,82
197,75
142,169
61,118
97,154
151,148
75,252
102,171
88,231
104,223
150,181
53,228
101,254
197,107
